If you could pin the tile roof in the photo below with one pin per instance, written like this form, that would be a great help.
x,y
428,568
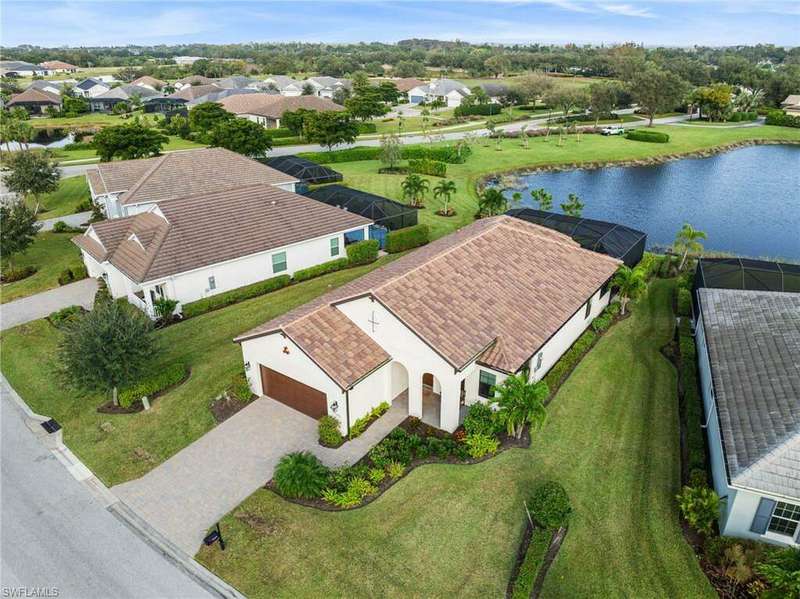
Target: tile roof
x,y
753,340
272,106
496,290
282,81
195,91
180,174
196,79
202,230
57,64
35,96
407,83
148,80
126,92
90,83
792,100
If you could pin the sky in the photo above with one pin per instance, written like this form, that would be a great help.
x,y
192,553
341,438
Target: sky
x,y
53,23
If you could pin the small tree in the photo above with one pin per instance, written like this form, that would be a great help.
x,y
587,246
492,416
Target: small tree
x,y
520,402
204,117
330,128
108,348
18,228
524,134
602,99
366,103
308,89
391,150
444,189
573,206
132,140
542,198
414,189
492,202
657,90
688,240
630,284
242,136
31,173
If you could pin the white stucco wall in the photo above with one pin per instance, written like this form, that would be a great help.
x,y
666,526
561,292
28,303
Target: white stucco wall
x,y
369,392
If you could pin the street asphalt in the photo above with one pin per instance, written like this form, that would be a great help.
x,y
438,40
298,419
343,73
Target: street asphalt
x,y
57,540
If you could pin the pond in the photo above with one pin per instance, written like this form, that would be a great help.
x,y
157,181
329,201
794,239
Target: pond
x,y
746,200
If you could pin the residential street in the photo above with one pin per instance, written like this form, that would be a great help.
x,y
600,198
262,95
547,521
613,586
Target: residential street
x,y
56,537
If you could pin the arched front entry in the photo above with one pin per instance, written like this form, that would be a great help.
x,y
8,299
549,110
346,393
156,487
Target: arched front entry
x,y
399,380
431,400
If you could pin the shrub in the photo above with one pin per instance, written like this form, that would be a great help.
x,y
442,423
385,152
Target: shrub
x,y
455,154
407,238
649,136
360,425
376,475
737,117
480,420
165,378
549,505
240,388
367,128
700,507
329,434
234,296
781,570
569,360
426,166
478,109
61,227
18,273
649,264
357,490
684,302
279,132
69,275
363,252
395,470
698,478
320,269
65,316
479,445
602,322
781,119
300,474
164,308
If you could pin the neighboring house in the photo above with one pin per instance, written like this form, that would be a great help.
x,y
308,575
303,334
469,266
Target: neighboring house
x,y
235,82
791,105
449,91
127,187
748,351
218,94
52,87
326,87
58,66
193,92
194,247
268,109
91,88
18,68
286,86
193,80
35,101
496,92
116,95
406,84
149,82
438,328
186,60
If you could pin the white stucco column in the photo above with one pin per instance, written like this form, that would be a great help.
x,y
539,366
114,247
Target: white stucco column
x,y
415,393
451,400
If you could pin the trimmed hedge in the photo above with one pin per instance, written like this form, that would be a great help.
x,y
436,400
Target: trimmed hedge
x,y
569,360
280,132
478,110
426,166
235,295
549,505
367,128
363,252
449,154
738,117
692,403
649,136
166,377
70,275
781,119
321,269
684,302
407,238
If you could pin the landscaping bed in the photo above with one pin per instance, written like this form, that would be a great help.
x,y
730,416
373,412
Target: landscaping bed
x,y
162,384
225,406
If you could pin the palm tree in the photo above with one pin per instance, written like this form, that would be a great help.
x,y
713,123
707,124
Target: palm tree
x,y
630,284
573,206
544,199
445,189
491,202
687,240
520,402
414,189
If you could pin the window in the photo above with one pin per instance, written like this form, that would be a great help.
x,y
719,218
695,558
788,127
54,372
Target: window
x,y
279,262
785,519
212,283
588,308
335,246
486,381
538,361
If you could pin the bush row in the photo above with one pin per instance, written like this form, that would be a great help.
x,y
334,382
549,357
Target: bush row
x,y
321,269
569,360
449,154
234,296
426,166
738,117
478,109
407,238
61,227
17,273
361,424
693,405
781,119
646,135
363,252
166,377
70,275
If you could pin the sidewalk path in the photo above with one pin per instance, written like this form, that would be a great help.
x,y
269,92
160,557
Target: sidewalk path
x,y
73,220
33,307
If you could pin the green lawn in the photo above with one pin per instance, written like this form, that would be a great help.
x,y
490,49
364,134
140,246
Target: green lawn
x,y
448,530
90,119
178,418
51,253
71,192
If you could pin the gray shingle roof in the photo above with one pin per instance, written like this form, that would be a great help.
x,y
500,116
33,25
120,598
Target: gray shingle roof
x,y
753,340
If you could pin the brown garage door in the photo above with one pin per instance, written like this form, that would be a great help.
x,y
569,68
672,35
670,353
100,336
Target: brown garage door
x,y
293,393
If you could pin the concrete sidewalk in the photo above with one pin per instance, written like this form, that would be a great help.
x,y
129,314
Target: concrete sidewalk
x,y
73,220
33,307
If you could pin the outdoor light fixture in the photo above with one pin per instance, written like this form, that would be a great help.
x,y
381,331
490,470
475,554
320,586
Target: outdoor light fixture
x,y
247,365
335,406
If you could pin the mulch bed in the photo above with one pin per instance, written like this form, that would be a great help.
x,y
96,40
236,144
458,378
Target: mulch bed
x,y
226,406
137,406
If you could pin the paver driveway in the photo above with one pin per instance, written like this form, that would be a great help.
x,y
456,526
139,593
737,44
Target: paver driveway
x,y
33,307
186,495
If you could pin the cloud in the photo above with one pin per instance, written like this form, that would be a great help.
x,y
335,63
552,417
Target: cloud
x,y
626,10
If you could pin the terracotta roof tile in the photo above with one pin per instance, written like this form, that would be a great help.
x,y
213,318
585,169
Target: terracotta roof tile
x,y
273,106
33,95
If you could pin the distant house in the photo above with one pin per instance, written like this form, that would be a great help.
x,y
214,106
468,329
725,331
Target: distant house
x,y
117,95
406,84
496,92
268,109
286,86
448,91
791,105
748,351
185,61
89,88
235,82
53,87
193,247
58,66
193,80
149,82
35,101
326,87
127,187
18,68
193,92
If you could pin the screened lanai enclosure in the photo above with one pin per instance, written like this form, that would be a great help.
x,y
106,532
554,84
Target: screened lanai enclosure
x,y
617,241
307,172
387,214
743,273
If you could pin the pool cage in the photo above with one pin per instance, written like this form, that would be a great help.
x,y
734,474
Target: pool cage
x,y
306,171
743,273
617,241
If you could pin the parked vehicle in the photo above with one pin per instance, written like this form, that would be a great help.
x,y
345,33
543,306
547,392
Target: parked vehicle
x,y
612,130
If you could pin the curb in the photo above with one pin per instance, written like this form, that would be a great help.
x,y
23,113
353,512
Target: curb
x,y
54,442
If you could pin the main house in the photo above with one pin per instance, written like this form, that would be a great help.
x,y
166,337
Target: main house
x,y
127,187
197,246
437,328
447,91
749,360
268,109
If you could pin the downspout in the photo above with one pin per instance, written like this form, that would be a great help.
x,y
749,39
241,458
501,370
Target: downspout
x,y
347,410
